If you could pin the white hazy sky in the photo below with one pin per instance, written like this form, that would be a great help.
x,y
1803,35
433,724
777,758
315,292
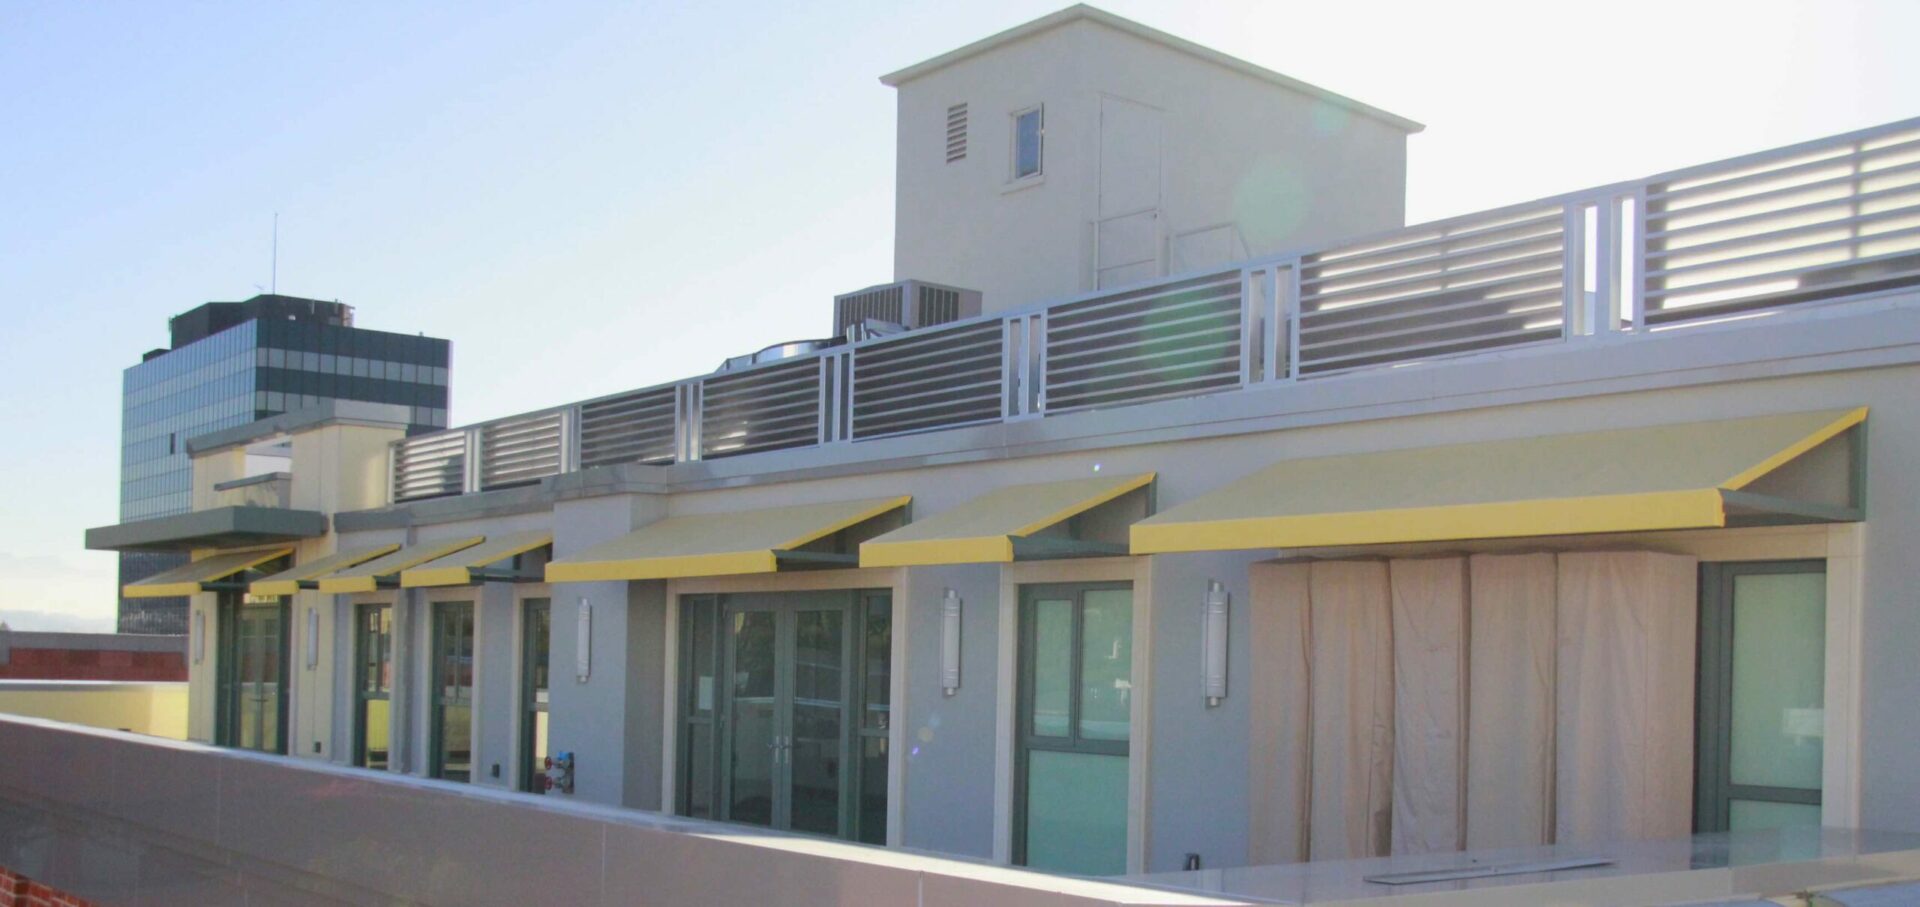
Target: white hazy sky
x,y
588,197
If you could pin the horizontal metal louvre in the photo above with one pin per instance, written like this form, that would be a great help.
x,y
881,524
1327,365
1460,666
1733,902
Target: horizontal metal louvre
x,y
520,450
929,380
1464,286
1174,340
428,466
766,408
636,427
1800,225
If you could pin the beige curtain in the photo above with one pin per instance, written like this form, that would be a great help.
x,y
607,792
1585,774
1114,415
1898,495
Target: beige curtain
x,y
1351,688
1278,752
1429,704
1624,754
1511,708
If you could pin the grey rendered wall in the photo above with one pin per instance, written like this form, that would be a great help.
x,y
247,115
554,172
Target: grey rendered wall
x,y
950,739
1197,775
498,690
601,721
1890,616
645,682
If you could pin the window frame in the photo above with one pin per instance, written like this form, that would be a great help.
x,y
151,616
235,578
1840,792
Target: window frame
x,y
1024,739
530,706
362,631
1014,176
436,691
1714,790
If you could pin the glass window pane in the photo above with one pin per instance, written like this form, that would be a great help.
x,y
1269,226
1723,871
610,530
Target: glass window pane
x,y
1106,664
1052,665
1779,673
700,771
819,713
751,762
1077,812
1759,815
700,693
375,716
878,660
873,790
1026,142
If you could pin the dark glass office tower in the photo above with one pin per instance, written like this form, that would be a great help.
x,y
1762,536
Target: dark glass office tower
x,y
231,363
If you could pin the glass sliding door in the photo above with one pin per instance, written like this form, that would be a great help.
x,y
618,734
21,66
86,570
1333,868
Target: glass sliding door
x,y
1073,727
452,719
537,636
784,711
252,673
1762,695
373,686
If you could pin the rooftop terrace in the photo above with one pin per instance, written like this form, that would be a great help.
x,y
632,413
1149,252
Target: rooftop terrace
x,y
1720,245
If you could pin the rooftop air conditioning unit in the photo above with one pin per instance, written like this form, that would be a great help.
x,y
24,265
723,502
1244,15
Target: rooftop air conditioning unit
x,y
908,303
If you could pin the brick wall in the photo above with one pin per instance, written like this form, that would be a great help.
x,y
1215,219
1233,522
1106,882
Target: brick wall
x,y
19,891
93,664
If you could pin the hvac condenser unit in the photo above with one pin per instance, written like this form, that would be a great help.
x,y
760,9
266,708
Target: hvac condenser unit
x,y
908,303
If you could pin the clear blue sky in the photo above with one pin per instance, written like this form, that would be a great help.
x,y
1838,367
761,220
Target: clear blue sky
x,y
590,197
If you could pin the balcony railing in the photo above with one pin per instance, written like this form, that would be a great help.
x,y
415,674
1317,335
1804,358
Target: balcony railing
x,y
1811,223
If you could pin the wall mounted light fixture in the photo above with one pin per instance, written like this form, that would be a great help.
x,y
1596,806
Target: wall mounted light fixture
x,y
950,643
583,647
1213,642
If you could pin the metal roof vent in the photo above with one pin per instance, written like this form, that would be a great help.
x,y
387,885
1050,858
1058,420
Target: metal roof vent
x,y
910,304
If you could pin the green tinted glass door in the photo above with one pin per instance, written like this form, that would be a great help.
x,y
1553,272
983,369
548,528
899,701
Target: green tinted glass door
x,y
537,636
252,670
373,685
452,744
755,731
801,706
1762,695
1076,701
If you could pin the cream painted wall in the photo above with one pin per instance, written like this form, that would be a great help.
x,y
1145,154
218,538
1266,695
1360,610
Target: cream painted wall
x,y
1289,169
159,709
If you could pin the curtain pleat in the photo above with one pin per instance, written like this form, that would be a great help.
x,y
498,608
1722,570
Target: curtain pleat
x,y
1278,819
1351,687
1429,704
1624,702
1511,707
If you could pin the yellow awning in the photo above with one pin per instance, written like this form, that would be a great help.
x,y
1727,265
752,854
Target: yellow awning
x,y
366,577
717,544
186,579
1626,480
457,569
985,530
287,582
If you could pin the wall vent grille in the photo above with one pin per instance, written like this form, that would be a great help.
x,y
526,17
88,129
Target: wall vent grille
x,y
956,133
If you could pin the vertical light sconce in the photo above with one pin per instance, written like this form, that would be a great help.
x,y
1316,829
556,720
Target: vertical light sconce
x,y
1213,642
950,643
313,638
199,636
583,646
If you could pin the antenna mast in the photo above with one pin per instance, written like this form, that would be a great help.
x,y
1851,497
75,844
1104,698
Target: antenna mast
x,y
273,282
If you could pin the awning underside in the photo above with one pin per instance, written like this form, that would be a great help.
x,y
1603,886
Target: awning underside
x,y
721,544
305,576
469,565
1019,522
1689,476
188,579
369,576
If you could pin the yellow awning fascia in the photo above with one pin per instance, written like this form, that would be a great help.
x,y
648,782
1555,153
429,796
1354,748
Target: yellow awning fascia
x,y
458,568
1692,508
187,578
287,582
714,563
366,577
993,548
